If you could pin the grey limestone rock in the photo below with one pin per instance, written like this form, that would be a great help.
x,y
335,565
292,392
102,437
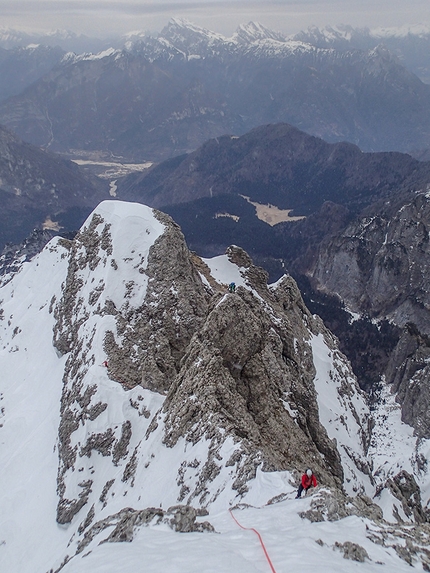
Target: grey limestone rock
x,y
379,267
408,372
67,509
154,337
180,518
121,447
332,505
404,487
352,551
249,357
380,263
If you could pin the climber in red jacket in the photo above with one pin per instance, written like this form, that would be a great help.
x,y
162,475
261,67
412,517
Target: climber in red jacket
x,y
308,481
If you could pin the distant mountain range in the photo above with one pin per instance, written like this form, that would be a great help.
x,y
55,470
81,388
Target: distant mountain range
x,y
277,164
410,44
64,39
163,96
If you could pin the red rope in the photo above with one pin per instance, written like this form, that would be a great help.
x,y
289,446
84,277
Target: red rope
x,y
259,537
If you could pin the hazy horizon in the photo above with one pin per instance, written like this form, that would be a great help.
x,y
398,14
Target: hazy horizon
x,y
101,18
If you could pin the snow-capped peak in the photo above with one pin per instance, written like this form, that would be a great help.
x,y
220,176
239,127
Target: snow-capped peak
x,y
72,58
180,30
254,31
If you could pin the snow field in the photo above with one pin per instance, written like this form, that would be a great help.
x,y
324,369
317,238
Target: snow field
x,y
30,386
291,543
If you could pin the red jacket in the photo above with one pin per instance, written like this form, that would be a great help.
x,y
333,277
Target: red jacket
x,y
307,482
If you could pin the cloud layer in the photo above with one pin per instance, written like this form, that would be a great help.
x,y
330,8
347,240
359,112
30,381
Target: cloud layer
x,y
95,17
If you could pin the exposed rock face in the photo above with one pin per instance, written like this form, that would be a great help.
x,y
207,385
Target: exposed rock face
x,y
236,368
331,505
409,541
404,488
380,263
156,335
180,518
409,373
234,383
379,267
352,551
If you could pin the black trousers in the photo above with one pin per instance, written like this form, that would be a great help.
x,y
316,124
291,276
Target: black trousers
x,y
301,488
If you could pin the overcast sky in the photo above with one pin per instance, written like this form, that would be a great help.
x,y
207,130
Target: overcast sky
x,y
104,17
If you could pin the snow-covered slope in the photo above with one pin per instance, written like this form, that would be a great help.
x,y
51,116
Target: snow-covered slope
x,y
30,396
134,388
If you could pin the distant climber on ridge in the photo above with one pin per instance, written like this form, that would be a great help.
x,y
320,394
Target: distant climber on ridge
x,y
232,287
308,481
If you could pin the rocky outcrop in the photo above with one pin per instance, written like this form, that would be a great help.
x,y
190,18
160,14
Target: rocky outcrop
x,y
352,551
126,523
154,336
408,537
180,518
228,383
332,505
249,373
408,373
378,267
405,489
237,368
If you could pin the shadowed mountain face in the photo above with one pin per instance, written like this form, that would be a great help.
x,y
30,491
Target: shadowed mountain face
x,y
163,97
331,185
277,164
41,189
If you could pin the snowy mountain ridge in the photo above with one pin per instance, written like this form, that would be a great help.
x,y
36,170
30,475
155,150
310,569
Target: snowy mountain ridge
x,y
200,85
181,37
137,391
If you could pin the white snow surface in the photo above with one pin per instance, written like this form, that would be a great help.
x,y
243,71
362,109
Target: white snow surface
x,y
30,394
393,448
290,542
31,383
226,272
340,411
